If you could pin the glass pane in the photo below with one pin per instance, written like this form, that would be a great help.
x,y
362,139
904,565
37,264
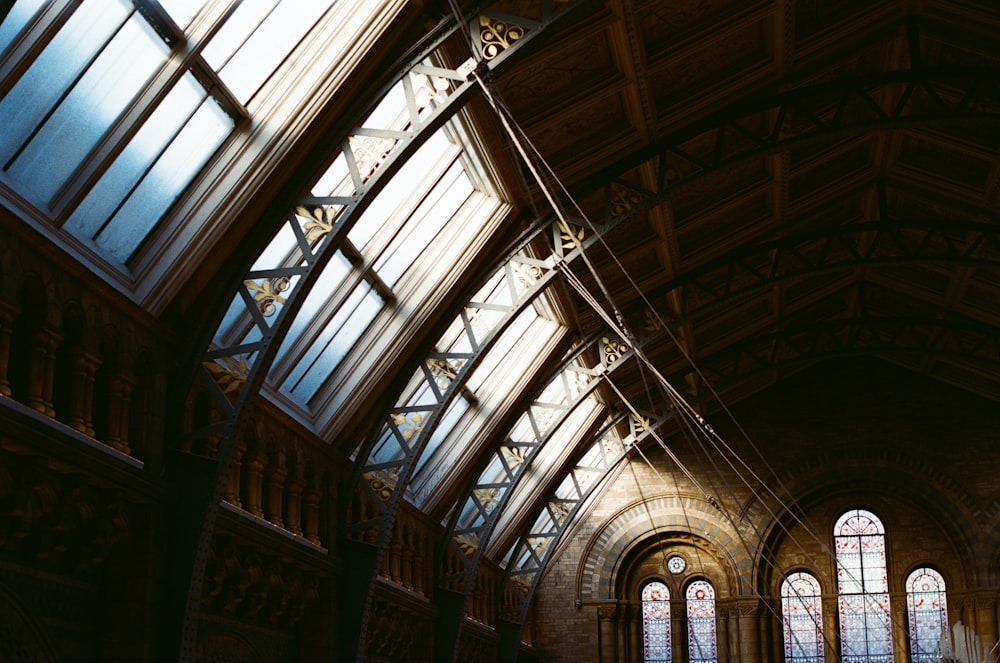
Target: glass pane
x,y
656,623
115,185
865,624
82,118
48,78
802,616
182,11
256,39
17,17
928,616
175,168
339,336
701,622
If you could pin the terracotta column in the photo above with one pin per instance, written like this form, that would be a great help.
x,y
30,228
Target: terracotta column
x,y
41,370
119,395
7,315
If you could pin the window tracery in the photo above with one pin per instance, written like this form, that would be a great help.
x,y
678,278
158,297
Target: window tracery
x,y
927,613
656,623
702,641
863,590
802,618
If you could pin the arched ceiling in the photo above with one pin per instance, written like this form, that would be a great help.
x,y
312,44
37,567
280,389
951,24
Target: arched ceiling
x,y
761,185
778,165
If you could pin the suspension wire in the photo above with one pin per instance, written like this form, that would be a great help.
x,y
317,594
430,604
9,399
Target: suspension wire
x,y
622,328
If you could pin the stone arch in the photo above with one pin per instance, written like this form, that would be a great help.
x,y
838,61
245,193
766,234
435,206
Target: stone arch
x,y
641,524
22,639
822,479
225,646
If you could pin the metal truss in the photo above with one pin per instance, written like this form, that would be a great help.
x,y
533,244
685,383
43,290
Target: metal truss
x,y
756,266
866,334
862,335
470,530
233,370
756,127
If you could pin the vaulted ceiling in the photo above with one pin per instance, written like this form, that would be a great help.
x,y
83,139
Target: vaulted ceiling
x,y
778,182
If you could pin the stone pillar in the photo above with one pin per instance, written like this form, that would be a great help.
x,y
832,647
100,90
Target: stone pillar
x,y
607,634
678,630
722,631
830,633
732,634
900,636
749,630
986,620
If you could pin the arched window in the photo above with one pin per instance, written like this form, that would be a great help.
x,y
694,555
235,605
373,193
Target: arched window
x,y
802,617
865,617
701,622
655,623
927,610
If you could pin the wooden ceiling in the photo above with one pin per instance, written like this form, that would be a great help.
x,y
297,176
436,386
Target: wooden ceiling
x,y
789,181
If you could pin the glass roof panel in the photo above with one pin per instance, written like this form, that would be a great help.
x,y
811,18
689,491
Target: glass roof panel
x,y
255,40
17,18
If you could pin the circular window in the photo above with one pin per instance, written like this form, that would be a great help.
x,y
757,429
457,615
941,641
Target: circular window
x,y
676,564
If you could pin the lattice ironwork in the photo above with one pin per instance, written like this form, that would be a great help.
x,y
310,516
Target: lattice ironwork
x,y
319,225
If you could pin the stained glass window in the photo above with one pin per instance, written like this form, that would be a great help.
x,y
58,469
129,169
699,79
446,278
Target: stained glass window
x,y
701,622
865,617
655,623
802,618
927,611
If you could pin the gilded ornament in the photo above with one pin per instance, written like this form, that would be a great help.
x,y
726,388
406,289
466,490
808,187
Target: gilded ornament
x,y
230,374
526,275
444,371
408,424
497,36
467,543
370,153
382,482
571,237
427,89
487,497
321,220
622,199
539,544
559,511
613,349
653,321
520,585
267,293
514,455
